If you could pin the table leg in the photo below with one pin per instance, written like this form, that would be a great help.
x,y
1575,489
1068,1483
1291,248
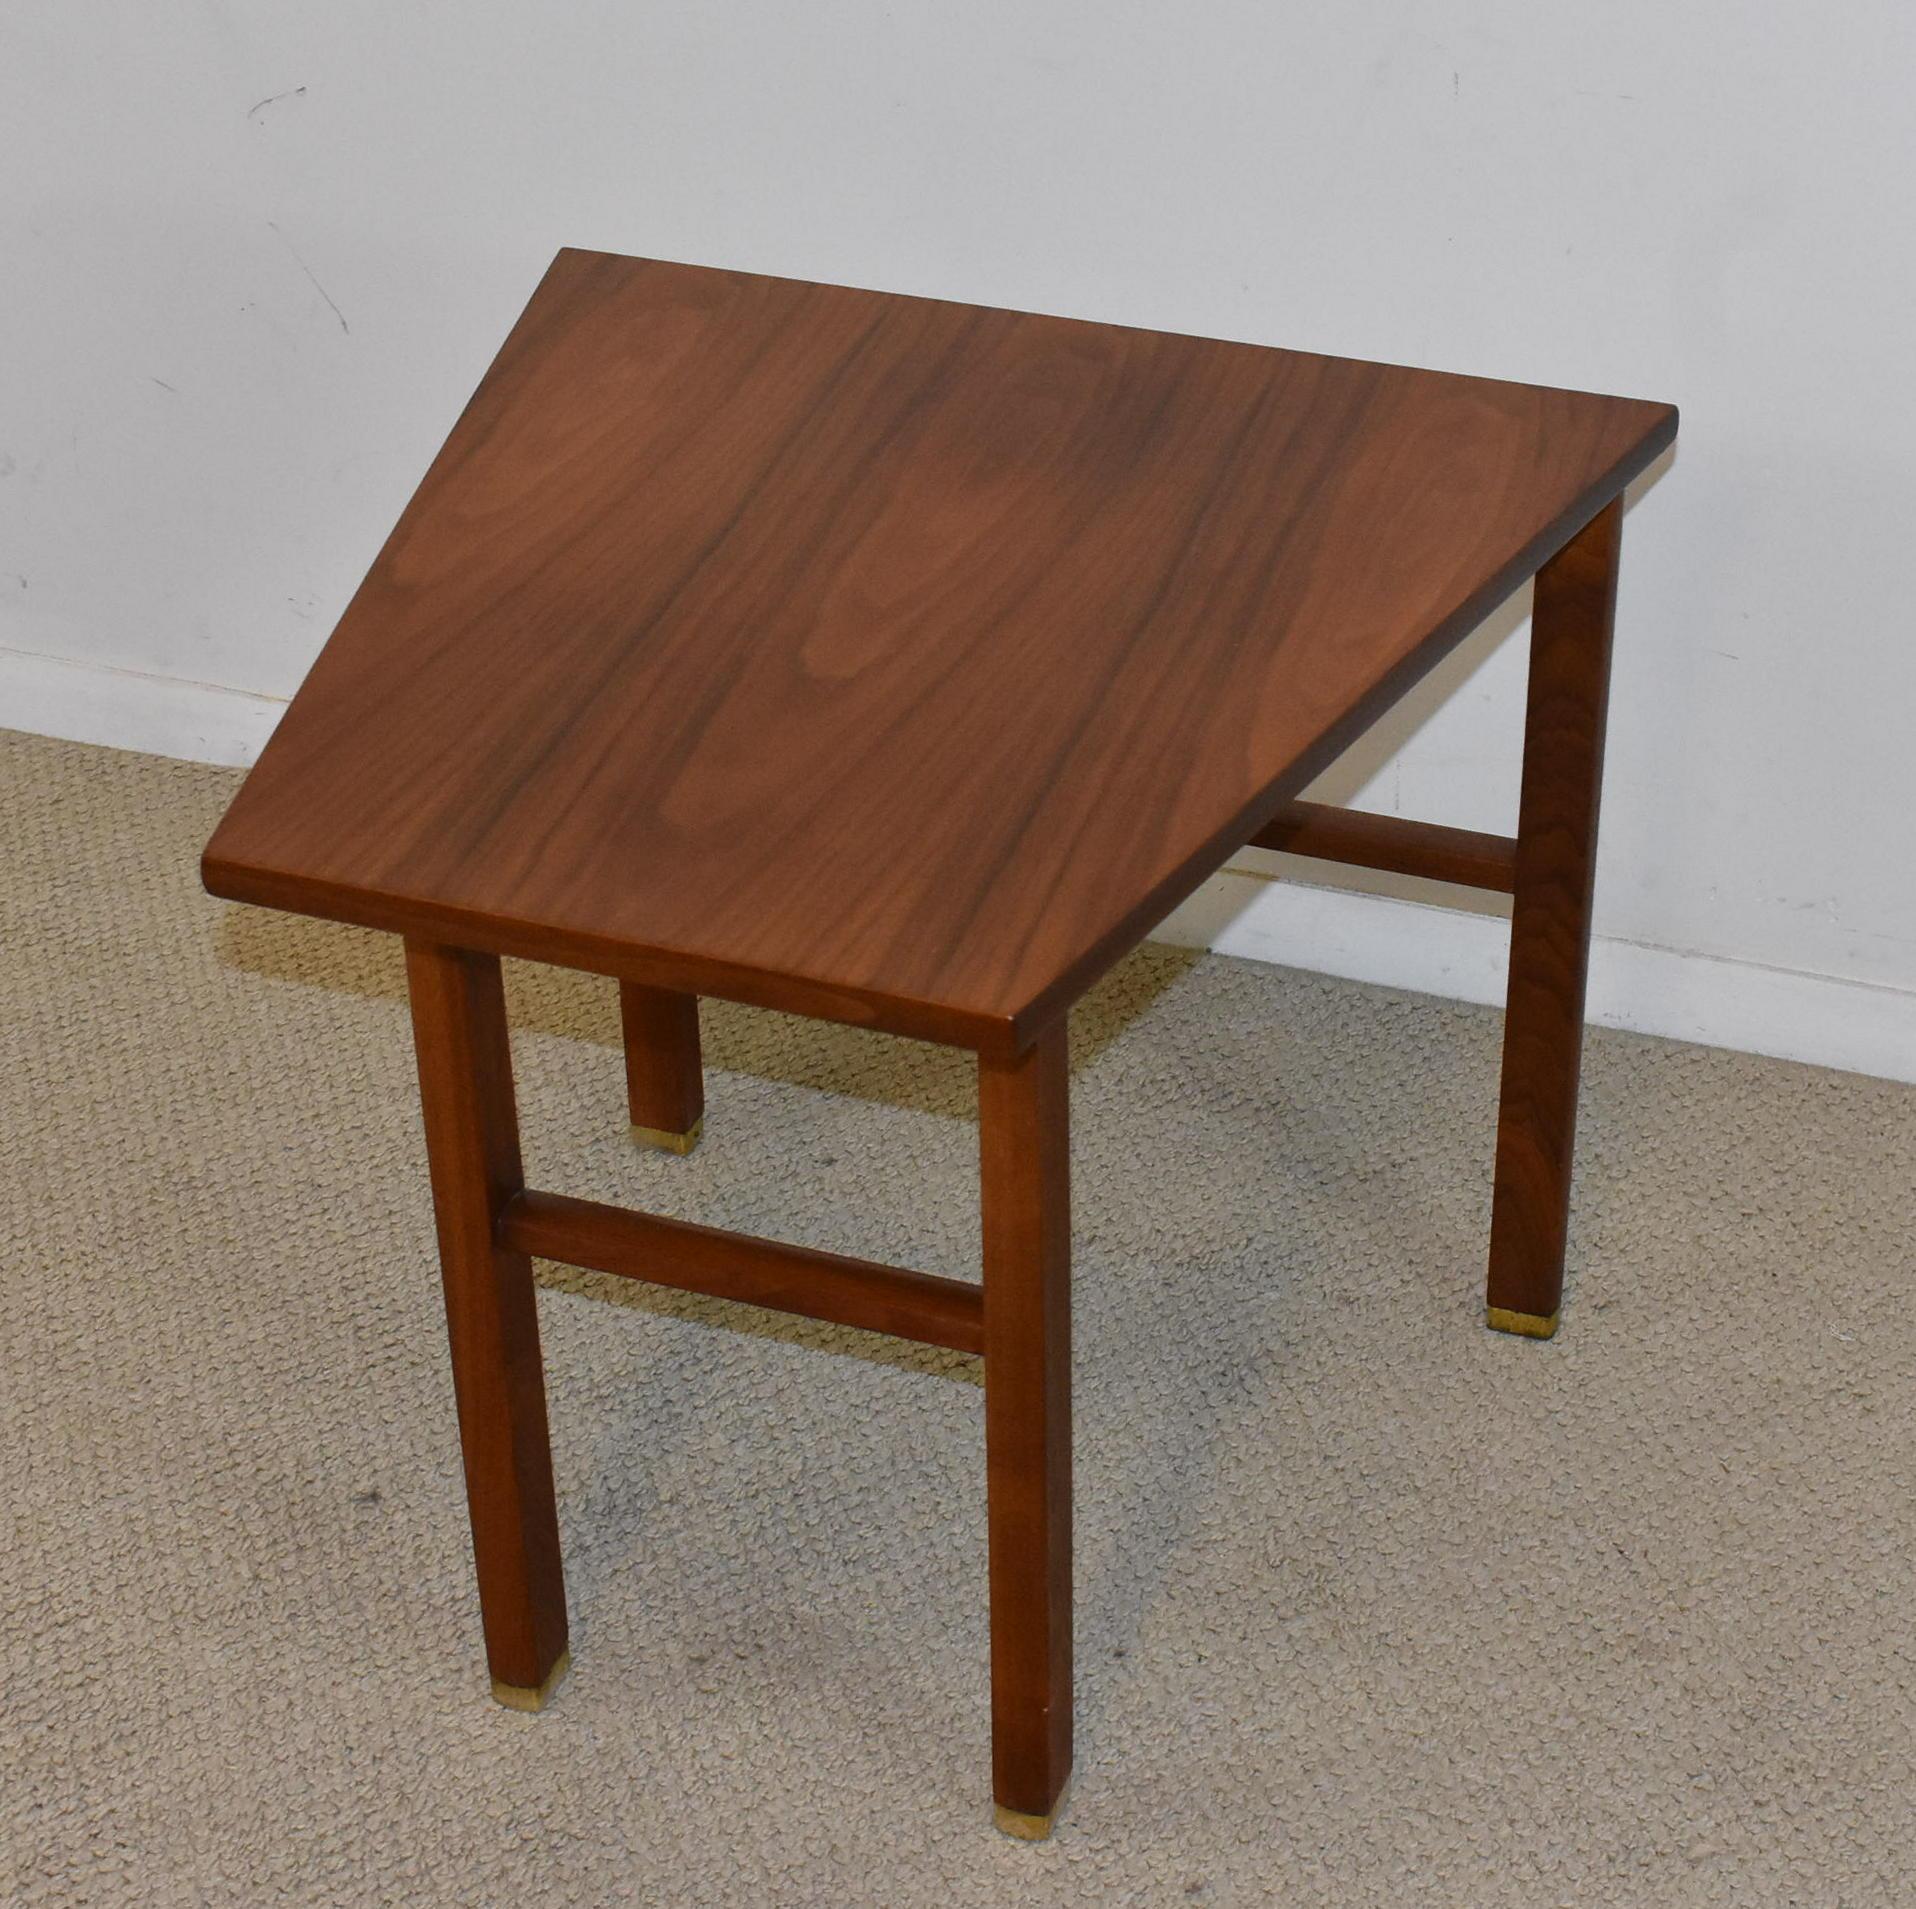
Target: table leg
x,y
1550,926
1024,1137
664,1079
472,1144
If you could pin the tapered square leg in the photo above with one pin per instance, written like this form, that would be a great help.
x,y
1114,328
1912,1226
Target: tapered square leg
x,y
1024,1126
664,1075
472,1144
1550,926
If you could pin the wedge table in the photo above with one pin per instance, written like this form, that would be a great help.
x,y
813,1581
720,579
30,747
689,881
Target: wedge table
x,y
902,663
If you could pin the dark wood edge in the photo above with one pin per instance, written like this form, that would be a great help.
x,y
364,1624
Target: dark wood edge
x,y
725,1265
528,941
1358,839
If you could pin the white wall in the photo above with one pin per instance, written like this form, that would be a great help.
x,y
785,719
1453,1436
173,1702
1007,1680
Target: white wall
x,y
254,255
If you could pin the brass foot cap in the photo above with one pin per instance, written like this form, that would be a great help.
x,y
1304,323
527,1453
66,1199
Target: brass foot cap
x,y
1529,1325
1027,1829
669,1142
518,1697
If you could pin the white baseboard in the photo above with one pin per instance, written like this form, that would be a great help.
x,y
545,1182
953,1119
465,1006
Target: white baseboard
x,y
1462,954
129,709
1453,952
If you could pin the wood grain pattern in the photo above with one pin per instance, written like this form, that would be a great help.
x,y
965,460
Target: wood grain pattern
x,y
1024,1153
1362,840
664,1075
880,658
1569,693
472,1146
759,1272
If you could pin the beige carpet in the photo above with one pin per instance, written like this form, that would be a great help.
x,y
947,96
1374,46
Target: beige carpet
x,y
1374,1607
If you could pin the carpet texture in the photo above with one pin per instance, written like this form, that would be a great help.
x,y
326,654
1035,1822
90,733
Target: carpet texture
x,y
1373,1606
